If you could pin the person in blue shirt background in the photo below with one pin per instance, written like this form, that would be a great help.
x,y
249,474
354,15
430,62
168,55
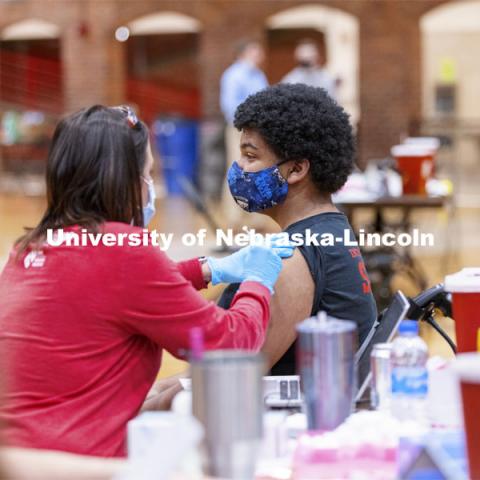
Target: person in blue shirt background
x,y
241,79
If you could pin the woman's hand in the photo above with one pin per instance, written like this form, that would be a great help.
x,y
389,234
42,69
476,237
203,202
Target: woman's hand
x,y
161,394
231,269
263,265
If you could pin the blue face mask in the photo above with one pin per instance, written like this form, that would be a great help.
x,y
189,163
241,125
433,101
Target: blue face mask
x,y
255,191
149,208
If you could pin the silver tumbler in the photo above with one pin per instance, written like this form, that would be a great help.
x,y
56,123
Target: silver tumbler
x,y
227,398
326,348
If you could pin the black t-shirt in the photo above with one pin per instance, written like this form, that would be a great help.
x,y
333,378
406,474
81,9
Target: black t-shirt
x,y
342,288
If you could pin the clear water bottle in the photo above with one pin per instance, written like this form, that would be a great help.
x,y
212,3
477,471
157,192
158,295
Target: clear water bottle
x,y
409,375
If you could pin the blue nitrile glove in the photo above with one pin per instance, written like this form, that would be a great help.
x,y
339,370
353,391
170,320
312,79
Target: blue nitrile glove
x,y
262,265
281,244
230,269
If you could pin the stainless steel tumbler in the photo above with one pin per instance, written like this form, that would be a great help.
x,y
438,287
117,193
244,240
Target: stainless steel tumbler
x,y
227,398
326,348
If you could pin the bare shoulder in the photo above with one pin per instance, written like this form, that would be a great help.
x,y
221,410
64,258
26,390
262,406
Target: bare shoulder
x,y
291,303
295,276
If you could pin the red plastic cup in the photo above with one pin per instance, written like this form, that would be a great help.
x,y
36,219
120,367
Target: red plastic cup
x,y
467,368
465,289
432,143
415,164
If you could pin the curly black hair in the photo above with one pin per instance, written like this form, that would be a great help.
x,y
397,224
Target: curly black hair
x,y
302,122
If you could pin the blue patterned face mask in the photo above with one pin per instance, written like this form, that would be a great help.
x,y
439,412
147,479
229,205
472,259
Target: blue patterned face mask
x,y
255,191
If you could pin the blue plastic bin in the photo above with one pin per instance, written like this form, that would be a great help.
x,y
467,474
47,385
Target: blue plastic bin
x,y
177,142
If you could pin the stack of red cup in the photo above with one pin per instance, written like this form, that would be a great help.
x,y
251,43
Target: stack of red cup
x,y
465,289
416,162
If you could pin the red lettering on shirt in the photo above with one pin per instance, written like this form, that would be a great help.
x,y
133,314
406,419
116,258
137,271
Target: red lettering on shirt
x,y
366,281
354,252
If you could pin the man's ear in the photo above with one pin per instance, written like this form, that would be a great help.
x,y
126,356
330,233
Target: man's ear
x,y
297,171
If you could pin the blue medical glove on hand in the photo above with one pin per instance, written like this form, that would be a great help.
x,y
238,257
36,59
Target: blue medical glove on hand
x,y
281,245
227,269
231,269
262,265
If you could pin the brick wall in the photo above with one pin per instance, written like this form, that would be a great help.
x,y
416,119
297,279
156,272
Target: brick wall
x,y
95,64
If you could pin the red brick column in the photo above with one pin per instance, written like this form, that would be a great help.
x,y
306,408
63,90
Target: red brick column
x,y
390,91
93,61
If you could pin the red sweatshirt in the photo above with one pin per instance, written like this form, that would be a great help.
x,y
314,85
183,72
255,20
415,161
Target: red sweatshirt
x,y
81,335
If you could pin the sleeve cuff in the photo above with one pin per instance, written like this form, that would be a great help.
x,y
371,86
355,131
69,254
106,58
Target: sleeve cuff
x,y
192,271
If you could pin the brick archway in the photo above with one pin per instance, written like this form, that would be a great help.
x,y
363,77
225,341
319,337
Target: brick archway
x,y
30,69
135,10
9,19
448,31
336,33
166,78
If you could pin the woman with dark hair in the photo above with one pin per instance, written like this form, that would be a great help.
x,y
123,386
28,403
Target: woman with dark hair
x,y
82,327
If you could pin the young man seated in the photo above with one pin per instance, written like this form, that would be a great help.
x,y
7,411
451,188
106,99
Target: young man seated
x,y
297,148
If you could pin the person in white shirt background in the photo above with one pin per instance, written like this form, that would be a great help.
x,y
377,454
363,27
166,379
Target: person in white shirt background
x,y
309,70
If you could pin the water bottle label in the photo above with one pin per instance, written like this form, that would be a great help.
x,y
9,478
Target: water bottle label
x,y
410,381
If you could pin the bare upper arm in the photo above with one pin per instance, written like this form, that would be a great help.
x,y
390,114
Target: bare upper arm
x,y
291,304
